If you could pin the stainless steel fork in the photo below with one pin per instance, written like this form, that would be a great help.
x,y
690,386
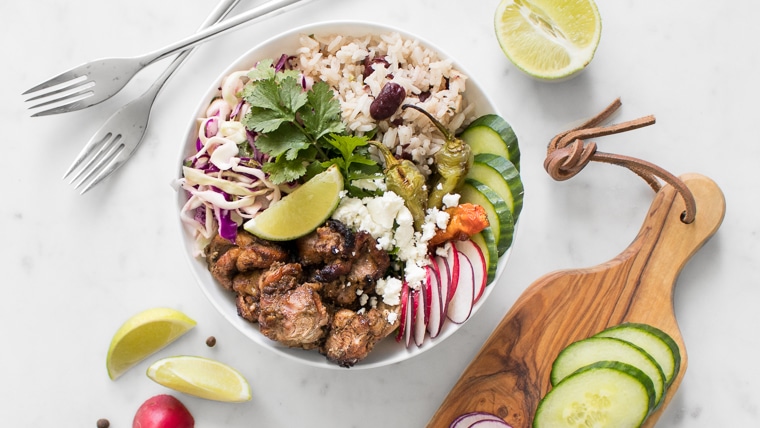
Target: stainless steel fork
x,y
96,81
122,133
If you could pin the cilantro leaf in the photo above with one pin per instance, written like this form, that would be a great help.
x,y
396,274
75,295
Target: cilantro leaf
x,y
264,70
291,95
286,140
323,113
263,120
282,170
353,163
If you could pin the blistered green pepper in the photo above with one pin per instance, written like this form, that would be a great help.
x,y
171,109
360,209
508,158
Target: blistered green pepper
x,y
452,162
403,178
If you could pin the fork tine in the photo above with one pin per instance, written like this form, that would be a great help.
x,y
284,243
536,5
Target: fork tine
x,y
61,78
104,162
112,166
91,145
104,148
74,84
80,95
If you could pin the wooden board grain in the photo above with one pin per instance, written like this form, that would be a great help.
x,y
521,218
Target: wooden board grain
x,y
510,373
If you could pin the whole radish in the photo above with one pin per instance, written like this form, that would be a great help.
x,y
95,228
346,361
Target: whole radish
x,y
163,411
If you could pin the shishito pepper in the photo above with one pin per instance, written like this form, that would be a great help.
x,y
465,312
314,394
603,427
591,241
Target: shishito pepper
x,y
404,179
452,162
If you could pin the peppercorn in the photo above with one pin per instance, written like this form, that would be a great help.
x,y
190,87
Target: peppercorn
x,y
103,423
211,341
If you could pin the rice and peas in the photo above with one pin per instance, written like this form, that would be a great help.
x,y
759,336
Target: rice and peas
x,y
429,81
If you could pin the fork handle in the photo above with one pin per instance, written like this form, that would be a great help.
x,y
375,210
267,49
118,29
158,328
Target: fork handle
x,y
268,8
220,11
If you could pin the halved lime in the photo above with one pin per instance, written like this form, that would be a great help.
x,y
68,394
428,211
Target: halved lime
x,y
302,211
142,335
548,39
201,377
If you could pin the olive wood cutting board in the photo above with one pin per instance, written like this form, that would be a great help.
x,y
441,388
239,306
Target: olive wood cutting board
x,y
510,373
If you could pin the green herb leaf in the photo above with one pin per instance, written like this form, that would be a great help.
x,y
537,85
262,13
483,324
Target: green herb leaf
x,y
286,140
263,71
282,170
323,113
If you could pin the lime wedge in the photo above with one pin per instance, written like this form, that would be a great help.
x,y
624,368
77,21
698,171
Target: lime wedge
x,y
302,211
548,39
142,335
201,377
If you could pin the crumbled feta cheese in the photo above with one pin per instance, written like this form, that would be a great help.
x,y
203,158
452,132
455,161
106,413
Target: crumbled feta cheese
x,y
390,290
392,317
363,299
450,200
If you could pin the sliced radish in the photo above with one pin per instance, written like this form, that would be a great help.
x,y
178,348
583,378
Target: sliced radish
x,y
488,423
427,300
420,323
411,312
460,305
404,302
479,266
468,420
452,258
444,286
433,281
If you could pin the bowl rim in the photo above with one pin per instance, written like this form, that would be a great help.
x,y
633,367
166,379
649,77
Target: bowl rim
x,y
385,353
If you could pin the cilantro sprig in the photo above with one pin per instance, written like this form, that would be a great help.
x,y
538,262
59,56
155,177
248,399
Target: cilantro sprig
x,y
301,131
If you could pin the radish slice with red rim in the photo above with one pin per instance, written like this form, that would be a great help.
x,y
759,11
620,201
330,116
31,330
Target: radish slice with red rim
x,y
433,280
488,423
469,420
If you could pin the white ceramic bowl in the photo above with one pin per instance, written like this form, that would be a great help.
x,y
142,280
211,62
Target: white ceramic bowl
x,y
387,351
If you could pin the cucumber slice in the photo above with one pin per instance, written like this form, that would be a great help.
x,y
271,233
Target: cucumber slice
x,y
654,341
492,134
502,176
588,351
499,215
485,240
606,394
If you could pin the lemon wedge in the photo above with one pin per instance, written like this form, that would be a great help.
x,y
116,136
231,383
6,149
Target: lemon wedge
x,y
201,377
142,335
548,39
302,211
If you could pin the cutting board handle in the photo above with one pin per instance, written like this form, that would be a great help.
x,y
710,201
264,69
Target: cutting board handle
x,y
510,373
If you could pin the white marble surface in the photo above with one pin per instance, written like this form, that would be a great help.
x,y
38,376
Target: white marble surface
x,y
75,267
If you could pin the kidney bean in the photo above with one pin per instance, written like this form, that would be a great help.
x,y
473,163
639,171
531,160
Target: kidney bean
x,y
387,101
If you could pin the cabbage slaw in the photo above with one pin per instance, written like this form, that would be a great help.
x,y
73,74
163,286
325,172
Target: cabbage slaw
x,y
223,179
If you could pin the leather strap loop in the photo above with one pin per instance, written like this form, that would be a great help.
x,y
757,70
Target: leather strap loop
x,y
568,153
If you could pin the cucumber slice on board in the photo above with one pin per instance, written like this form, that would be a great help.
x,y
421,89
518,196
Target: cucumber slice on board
x,y
654,341
588,351
492,134
502,176
605,394
499,215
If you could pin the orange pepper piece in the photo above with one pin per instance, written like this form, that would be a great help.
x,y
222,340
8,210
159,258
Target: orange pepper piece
x,y
465,220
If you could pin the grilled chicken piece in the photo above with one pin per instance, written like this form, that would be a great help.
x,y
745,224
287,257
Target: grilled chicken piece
x,y
369,263
353,335
257,253
328,249
224,267
326,244
290,312
225,259
246,285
